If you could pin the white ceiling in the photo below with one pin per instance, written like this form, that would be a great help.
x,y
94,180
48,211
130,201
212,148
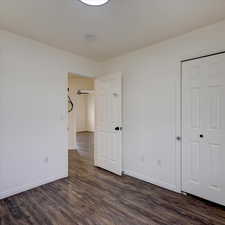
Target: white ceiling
x,y
111,30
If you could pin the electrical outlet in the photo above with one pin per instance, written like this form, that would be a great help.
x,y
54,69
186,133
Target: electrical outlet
x,y
159,163
46,160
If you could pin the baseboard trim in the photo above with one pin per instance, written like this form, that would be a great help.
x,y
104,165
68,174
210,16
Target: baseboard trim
x,y
83,132
27,187
152,181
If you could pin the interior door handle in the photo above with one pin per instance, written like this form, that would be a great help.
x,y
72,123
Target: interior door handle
x,y
117,128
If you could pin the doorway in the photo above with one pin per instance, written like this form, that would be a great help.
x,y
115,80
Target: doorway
x,y
81,116
203,127
95,120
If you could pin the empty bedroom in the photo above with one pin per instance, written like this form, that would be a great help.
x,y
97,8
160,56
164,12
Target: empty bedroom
x,y
112,112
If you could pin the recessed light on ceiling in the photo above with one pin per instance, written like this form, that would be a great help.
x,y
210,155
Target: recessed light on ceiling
x,y
94,2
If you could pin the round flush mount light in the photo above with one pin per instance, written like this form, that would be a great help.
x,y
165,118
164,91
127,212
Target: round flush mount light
x,y
94,2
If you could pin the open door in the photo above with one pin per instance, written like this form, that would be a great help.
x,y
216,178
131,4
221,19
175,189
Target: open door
x,y
108,124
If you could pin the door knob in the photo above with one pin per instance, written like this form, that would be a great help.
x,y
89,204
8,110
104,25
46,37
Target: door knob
x,y
178,138
117,128
201,136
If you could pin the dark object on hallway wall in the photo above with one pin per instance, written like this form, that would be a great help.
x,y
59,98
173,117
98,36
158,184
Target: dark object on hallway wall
x,y
70,103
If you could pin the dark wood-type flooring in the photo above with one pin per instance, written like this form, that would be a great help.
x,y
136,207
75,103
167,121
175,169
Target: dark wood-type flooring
x,y
94,196
85,144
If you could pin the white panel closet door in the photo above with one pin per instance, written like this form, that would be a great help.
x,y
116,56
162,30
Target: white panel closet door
x,y
203,128
108,132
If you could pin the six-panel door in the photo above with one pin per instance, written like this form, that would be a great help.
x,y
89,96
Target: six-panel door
x,y
108,132
203,128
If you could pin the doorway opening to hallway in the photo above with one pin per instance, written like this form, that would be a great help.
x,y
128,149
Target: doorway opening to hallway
x,y
81,116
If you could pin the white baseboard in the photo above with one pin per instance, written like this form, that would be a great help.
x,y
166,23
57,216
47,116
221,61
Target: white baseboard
x,y
73,147
152,181
30,186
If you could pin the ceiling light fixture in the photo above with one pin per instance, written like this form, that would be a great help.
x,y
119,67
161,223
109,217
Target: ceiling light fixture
x,y
94,2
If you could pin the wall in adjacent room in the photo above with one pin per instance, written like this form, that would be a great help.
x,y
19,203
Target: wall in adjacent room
x,y
33,115
91,112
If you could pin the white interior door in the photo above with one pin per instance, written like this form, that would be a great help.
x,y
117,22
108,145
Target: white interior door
x,y
108,124
203,122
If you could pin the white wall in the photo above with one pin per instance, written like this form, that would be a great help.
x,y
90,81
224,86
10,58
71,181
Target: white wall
x,y
33,111
91,112
81,113
85,112
151,109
